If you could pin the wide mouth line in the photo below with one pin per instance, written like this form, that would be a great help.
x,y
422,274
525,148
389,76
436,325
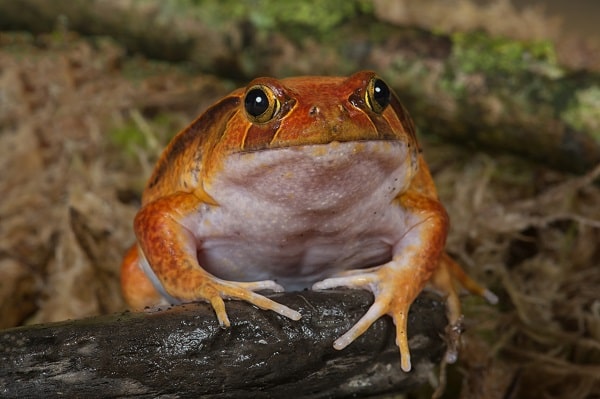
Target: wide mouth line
x,y
371,140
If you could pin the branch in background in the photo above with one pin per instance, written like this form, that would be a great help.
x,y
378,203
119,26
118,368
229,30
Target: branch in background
x,y
490,92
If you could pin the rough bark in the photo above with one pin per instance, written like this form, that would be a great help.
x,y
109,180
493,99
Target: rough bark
x,y
181,352
495,93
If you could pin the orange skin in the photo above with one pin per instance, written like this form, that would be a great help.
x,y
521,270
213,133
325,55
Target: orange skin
x,y
192,184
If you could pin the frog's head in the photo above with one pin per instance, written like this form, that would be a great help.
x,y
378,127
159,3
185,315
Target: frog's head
x,y
310,110
325,126
315,110
296,133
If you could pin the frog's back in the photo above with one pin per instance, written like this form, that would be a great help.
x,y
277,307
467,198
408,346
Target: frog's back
x,y
180,164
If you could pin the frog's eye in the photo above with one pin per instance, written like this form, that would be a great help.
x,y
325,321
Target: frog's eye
x,y
377,95
261,104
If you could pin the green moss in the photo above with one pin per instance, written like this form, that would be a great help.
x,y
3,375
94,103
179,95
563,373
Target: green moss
x,y
479,52
506,65
138,133
296,18
128,137
519,77
312,15
583,113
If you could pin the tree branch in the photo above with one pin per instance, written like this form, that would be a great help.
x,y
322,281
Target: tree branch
x,y
182,351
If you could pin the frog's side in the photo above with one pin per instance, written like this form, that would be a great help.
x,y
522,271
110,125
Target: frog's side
x,y
309,181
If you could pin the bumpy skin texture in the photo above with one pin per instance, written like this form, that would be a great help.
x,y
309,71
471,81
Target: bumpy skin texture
x,y
308,181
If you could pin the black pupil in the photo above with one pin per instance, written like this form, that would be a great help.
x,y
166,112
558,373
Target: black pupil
x,y
381,93
256,102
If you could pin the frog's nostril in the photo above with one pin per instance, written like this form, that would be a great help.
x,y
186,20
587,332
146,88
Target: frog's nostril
x,y
314,111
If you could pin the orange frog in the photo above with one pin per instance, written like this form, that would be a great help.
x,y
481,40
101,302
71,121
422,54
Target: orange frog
x,y
286,184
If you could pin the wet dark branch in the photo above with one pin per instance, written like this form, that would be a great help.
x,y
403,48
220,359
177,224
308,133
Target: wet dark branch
x,y
182,351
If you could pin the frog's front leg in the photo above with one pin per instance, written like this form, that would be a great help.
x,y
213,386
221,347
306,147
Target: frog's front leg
x,y
397,283
169,250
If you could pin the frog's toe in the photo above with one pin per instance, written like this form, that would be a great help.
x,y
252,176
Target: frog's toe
x,y
219,308
360,280
376,310
355,272
490,296
387,301
268,304
453,332
458,275
399,312
352,280
244,291
261,285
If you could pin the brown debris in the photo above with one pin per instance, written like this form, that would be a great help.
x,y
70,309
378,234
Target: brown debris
x,y
63,229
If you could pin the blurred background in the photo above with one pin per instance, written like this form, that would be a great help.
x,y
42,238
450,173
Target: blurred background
x,y
506,99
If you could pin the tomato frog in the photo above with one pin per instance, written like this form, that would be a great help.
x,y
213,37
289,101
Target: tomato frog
x,y
294,183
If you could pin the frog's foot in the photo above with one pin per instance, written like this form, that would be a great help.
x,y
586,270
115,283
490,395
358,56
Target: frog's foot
x,y
463,279
448,278
453,332
394,293
216,290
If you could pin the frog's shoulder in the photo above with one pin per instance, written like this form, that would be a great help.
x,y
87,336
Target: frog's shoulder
x,y
179,166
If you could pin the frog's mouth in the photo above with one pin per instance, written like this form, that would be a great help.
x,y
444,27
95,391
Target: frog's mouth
x,y
318,176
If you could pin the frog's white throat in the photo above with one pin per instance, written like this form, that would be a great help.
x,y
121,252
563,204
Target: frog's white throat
x,y
314,177
300,214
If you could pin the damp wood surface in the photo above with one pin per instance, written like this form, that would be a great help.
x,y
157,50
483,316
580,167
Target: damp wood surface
x,y
182,352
